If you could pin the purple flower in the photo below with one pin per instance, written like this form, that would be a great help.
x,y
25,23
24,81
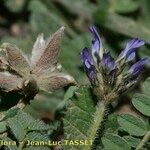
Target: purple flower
x,y
91,73
129,52
137,68
105,73
86,58
96,41
108,62
88,63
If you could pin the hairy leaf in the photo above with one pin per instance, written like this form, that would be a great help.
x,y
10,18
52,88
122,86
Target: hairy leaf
x,y
146,86
142,103
114,142
11,146
3,127
79,117
132,124
22,123
133,142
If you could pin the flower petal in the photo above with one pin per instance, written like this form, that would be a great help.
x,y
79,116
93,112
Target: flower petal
x,y
107,61
137,68
96,42
86,58
129,51
91,73
88,63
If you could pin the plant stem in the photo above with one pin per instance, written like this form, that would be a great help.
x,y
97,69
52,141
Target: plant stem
x,y
99,115
21,145
144,140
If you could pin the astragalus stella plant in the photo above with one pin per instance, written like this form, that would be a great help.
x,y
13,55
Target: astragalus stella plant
x,y
109,77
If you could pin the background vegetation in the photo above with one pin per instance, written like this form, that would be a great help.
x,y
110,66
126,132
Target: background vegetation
x,y
117,21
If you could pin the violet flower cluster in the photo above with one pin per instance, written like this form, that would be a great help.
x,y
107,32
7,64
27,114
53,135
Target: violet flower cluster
x,y
110,77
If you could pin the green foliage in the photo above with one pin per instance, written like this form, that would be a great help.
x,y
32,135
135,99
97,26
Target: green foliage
x,y
142,103
146,86
3,127
126,6
114,142
70,92
15,5
111,124
126,26
82,8
23,127
118,21
133,125
79,117
133,142
9,147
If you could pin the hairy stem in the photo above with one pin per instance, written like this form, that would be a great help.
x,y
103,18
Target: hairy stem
x,y
144,140
99,115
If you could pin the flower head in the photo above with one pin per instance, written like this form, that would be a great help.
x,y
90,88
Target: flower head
x,y
107,75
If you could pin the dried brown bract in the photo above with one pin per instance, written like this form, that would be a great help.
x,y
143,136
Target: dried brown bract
x,y
41,72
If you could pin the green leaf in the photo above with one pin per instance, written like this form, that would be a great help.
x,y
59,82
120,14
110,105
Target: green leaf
x,y
82,8
133,125
15,5
22,123
17,128
145,10
78,117
11,112
36,136
111,124
142,103
114,142
3,127
30,123
125,26
70,92
146,86
133,142
125,6
11,146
